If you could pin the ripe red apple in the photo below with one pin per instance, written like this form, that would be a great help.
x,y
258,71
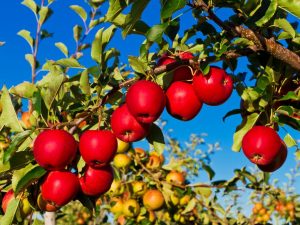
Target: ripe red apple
x,y
96,182
7,198
182,102
214,88
145,101
126,127
180,73
277,162
60,187
261,145
54,149
98,147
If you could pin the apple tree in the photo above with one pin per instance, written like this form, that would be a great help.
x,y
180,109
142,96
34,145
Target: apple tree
x,y
70,135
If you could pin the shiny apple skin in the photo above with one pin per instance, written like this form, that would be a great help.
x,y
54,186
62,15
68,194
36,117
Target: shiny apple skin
x,y
98,147
182,102
278,162
261,145
60,187
145,101
126,127
54,149
96,182
214,88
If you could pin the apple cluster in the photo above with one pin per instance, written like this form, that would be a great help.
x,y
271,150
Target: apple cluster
x,y
57,150
263,147
145,100
190,89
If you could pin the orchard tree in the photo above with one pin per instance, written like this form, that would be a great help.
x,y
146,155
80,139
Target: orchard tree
x,y
69,140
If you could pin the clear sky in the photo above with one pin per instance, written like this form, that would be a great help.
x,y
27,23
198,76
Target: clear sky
x,y
14,70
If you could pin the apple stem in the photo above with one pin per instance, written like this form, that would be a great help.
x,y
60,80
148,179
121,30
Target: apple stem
x,y
49,218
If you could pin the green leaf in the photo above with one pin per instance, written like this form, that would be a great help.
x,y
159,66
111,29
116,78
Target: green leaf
x,y
291,6
170,6
11,211
231,113
17,141
44,13
49,86
97,48
190,206
30,59
24,177
134,15
107,35
69,63
208,170
289,141
137,65
63,48
80,11
8,116
24,90
115,8
84,82
156,138
247,124
156,32
289,96
77,30
31,5
286,26
268,14
26,35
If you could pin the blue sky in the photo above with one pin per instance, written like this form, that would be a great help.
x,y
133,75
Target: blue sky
x,y
14,70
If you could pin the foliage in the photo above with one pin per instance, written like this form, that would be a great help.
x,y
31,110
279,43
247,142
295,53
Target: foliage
x,y
257,30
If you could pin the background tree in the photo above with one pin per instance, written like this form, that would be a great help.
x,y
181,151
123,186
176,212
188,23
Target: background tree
x,y
76,94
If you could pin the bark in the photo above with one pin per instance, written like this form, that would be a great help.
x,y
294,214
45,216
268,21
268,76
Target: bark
x,y
261,43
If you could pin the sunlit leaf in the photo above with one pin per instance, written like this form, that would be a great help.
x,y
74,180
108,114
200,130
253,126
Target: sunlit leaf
x,y
31,5
291,6
80,11
8,116
11,211
63,48
26,35
289,141
24,90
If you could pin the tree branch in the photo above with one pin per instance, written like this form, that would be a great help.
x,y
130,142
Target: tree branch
x,y
261,43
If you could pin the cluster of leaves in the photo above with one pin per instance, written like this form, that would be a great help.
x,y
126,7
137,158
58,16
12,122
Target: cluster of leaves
x,y
63,101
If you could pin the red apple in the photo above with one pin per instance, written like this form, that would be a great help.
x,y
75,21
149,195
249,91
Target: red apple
x,y
277,162
182,102
96,182
7,198
54,149
97,147
261,145
126,127
214,88
60,187
182,72
145,101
